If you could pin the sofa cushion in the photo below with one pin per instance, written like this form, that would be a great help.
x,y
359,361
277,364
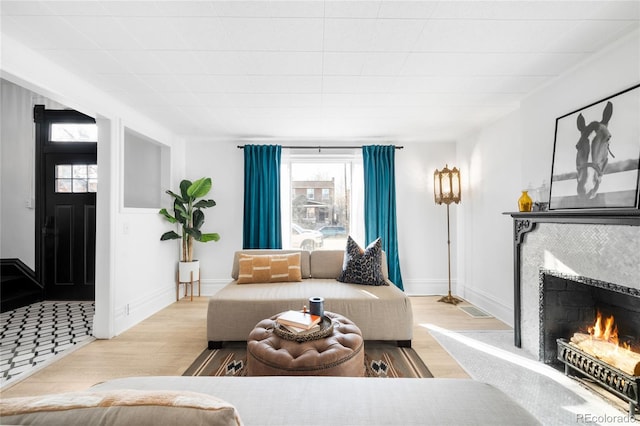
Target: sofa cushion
x,y
269,268
305,269
123,406
363,266
326,263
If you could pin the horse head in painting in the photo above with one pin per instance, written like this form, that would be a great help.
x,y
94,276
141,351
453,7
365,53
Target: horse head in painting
x,y
593,153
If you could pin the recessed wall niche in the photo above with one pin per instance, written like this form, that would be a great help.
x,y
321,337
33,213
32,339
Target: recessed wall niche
x,y
145,162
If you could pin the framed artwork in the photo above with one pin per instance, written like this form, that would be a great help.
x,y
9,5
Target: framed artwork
x,y
596,155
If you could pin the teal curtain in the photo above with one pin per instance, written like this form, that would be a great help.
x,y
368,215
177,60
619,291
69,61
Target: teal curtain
x,y
380,203
262,227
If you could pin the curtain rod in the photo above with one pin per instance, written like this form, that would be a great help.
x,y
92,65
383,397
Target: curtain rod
x,y
320,147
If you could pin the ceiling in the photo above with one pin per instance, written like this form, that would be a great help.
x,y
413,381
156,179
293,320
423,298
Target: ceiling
x,y
319,70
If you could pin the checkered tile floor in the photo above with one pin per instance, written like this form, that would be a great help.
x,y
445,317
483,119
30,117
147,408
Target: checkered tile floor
x,y
33,334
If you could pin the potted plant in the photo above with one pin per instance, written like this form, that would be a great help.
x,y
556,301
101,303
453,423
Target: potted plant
x,y
187,211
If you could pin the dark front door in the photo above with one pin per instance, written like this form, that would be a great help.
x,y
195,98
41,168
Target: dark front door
x,y
67,179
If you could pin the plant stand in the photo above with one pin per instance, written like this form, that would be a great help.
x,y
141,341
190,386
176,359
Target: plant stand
x,y
186,284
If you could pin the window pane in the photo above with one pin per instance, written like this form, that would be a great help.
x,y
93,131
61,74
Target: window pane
x,y
79,185
79,171
93,185
63,171
92,171
74,132
63,185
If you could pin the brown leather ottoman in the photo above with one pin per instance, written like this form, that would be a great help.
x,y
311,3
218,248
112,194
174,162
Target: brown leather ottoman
x,y
340,354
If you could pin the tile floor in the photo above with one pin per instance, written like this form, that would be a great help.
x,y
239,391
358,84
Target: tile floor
x,y
34,334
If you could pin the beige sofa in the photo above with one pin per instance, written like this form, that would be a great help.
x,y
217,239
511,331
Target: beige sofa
x,y
381,312
282,401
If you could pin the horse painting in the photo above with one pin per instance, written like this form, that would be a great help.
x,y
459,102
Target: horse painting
x,y
593,153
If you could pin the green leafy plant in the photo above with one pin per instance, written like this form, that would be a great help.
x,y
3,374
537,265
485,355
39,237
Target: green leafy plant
x,y
187,211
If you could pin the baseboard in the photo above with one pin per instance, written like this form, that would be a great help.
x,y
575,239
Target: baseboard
x,y
142,307
489,304
23,268
211,286
426,287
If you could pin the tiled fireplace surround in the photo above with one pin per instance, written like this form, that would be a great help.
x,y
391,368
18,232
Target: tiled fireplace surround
x,y
602,252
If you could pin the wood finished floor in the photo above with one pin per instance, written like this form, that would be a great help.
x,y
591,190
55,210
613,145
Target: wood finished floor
x,y
166,343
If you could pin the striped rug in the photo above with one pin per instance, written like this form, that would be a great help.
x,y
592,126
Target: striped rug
x,y
383,360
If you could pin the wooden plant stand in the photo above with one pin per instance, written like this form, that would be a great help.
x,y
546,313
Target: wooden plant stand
x,y
186,284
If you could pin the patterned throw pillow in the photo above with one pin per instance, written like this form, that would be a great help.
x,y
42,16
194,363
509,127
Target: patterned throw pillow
x,y
363,266
269,268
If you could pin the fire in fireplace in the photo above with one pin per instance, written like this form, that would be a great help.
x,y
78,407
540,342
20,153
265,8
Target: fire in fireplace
x,y
569,304
603,343
582,324
602,357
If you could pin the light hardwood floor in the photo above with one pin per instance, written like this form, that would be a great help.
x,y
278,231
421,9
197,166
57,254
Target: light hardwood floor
x,y
166,343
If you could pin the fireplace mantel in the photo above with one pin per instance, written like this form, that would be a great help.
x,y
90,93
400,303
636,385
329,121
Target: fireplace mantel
x,y
602,216
525,222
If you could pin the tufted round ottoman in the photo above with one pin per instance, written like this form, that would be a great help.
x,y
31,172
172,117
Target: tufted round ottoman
x,y
340,354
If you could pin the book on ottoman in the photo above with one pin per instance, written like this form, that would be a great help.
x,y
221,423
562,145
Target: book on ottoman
x,y
297,319
300,331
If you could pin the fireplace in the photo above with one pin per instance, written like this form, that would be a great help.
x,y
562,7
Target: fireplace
x,y
567,266
569,304
593,248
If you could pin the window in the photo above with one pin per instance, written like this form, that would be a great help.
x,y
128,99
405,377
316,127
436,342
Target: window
x,y
74,132
146,165
76,178
323,196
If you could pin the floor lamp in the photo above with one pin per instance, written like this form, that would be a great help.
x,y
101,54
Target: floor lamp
x,y
446,189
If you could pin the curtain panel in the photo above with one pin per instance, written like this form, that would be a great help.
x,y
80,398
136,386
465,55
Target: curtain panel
x,y
380,203
262,228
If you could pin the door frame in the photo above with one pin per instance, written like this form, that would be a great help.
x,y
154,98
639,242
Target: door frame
x,y
42,118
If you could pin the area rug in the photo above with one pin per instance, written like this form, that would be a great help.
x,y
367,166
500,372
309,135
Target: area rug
x,y
382,360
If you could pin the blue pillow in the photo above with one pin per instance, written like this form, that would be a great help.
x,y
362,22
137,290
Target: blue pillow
x,y
362,266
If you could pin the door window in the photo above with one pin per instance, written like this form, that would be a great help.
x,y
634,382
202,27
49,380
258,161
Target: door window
x,y
76,178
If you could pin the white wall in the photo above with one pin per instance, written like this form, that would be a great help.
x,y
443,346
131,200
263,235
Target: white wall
x,y
134,269
223,163
505,157
17,149
614,69
422,224
491,160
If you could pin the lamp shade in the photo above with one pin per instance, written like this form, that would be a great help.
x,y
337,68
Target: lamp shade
x,y
446,186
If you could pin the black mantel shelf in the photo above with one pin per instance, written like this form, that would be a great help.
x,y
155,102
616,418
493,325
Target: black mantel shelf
x,y
600,216
525,222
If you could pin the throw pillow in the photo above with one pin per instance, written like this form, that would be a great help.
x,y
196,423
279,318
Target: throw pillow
x,y
363,266
269,268
123,406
